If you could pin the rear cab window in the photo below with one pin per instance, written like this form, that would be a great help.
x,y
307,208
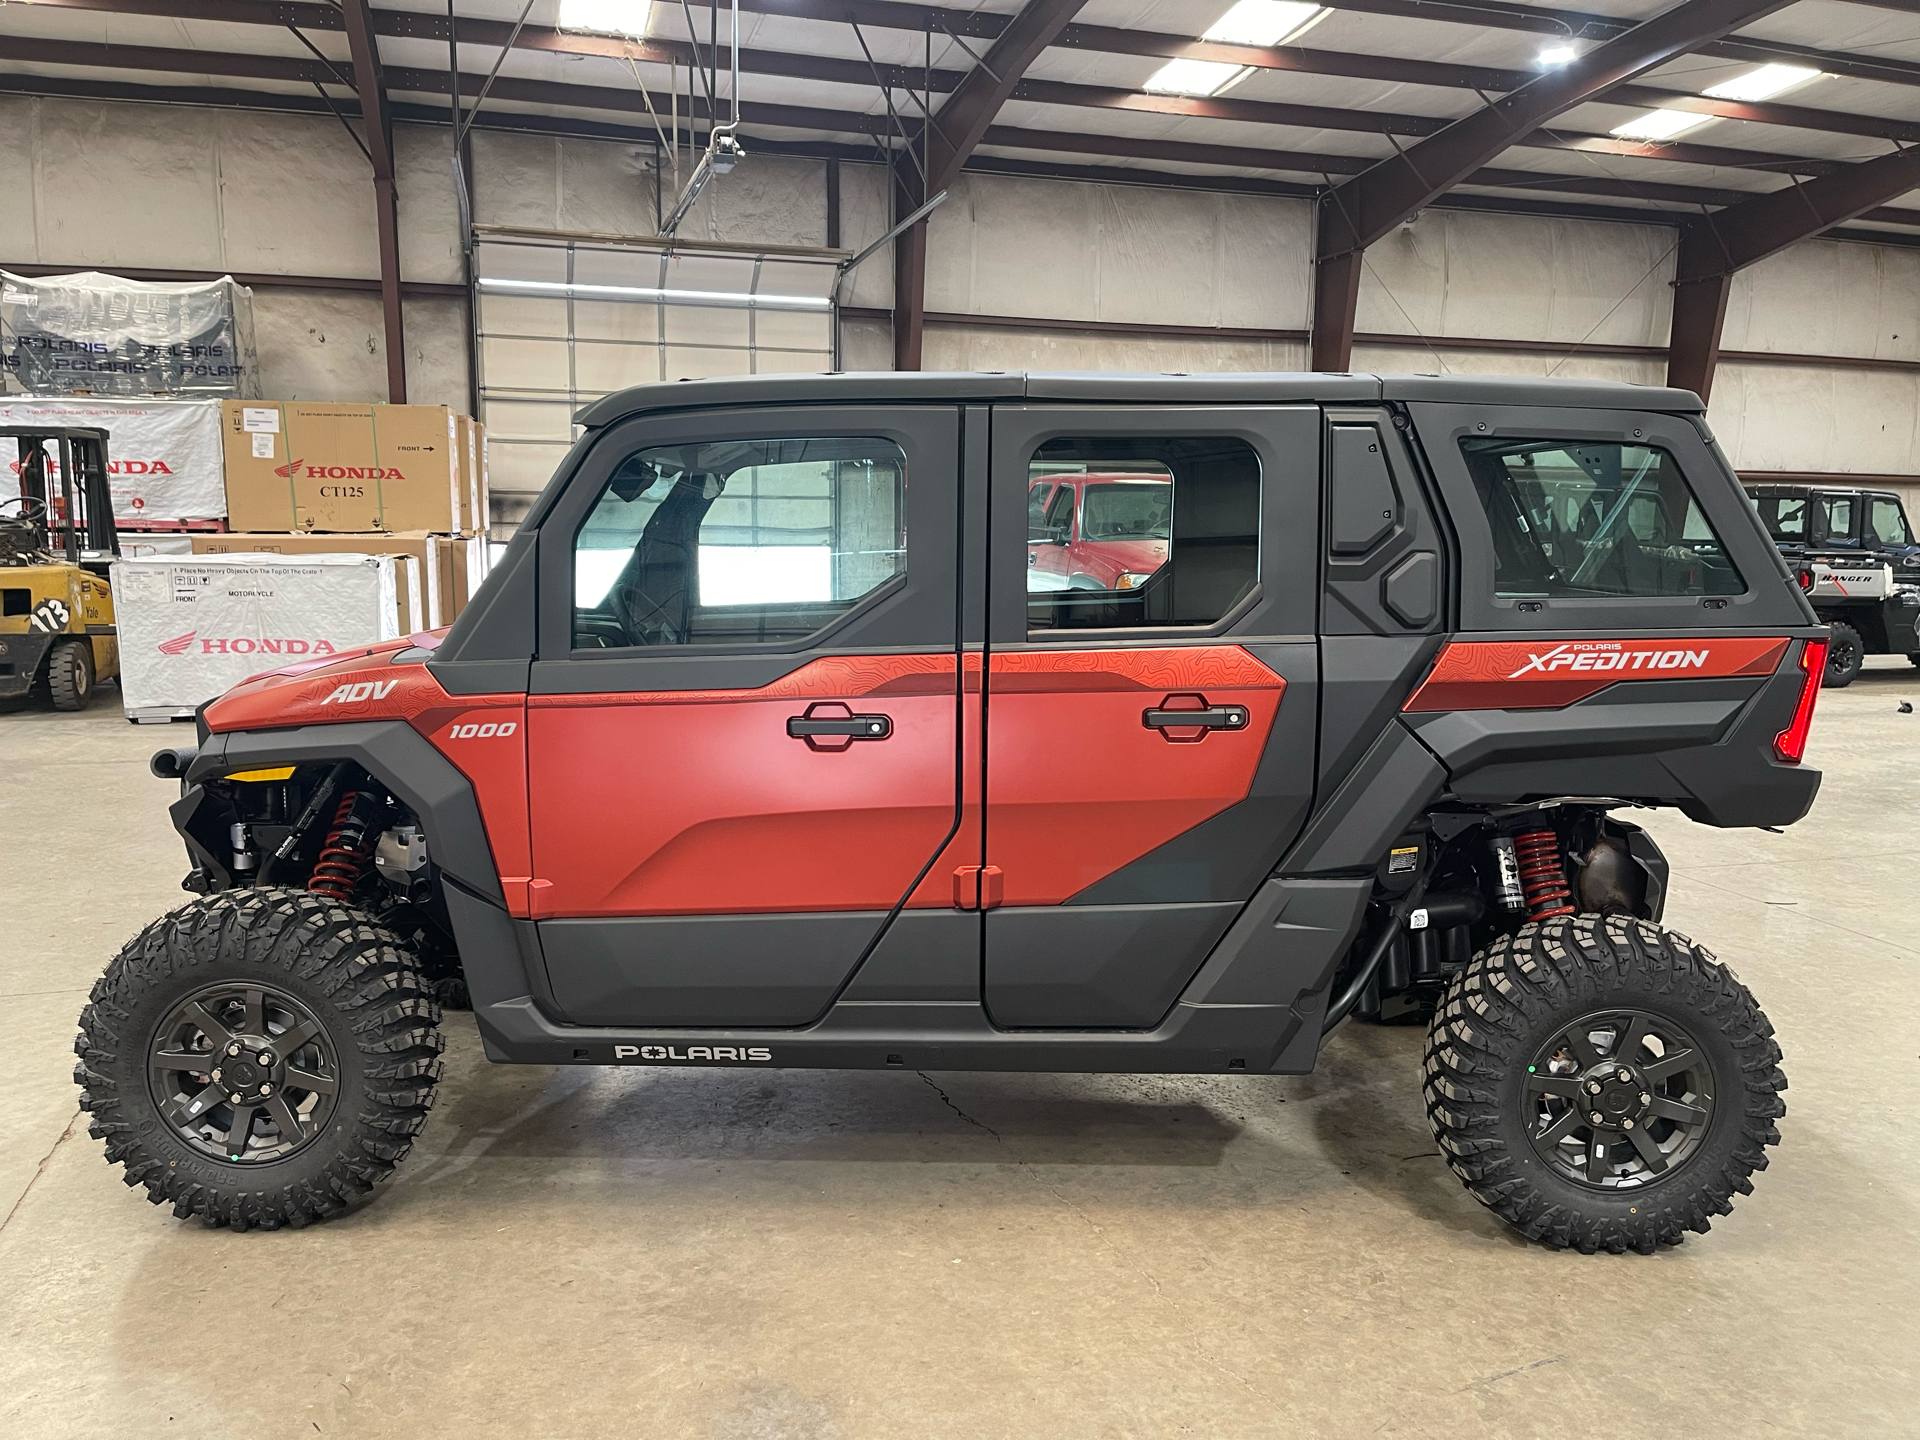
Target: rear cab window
x,y
1583,519
1887,521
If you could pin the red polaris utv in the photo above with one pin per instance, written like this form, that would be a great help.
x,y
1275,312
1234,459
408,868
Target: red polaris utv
x,y
765,746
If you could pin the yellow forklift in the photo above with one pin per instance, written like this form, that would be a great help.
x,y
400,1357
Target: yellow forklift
x,y
56,543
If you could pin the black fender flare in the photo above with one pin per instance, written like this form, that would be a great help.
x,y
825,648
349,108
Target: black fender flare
x,y
500,955
396,755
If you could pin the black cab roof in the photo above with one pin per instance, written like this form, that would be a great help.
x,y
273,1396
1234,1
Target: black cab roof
x,y
1310,387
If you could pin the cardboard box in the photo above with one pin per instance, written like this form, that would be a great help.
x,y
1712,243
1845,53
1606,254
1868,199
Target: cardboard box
x,y
439,597
471,442
194,626
311,466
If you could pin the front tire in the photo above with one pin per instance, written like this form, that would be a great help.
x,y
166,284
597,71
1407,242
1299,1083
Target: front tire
x,y
1589,1018
259,1058
70,675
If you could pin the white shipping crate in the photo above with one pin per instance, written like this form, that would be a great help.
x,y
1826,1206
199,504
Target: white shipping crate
x,y
192,627
164,460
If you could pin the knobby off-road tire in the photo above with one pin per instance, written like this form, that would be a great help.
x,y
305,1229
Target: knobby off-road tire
x,y
270,971
70,675
1539,1017
1846,656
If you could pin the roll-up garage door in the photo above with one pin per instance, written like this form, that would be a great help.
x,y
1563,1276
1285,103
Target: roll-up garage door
x,y
562,320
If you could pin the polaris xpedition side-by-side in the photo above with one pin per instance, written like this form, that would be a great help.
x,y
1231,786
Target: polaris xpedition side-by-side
x,y
773,741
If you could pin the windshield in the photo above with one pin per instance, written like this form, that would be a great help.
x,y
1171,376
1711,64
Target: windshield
x,y
1785,516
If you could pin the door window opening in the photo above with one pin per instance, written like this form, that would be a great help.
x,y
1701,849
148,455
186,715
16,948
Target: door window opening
x,y
738,542
1168,532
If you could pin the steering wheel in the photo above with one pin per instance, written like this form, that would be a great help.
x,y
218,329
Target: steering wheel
x,y
35,515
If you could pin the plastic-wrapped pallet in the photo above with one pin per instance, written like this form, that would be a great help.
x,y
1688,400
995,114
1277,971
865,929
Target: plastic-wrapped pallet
x,y
105,335
163,456
193,626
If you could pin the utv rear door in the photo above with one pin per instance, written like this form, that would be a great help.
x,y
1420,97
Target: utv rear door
x,y
1149,748
743,726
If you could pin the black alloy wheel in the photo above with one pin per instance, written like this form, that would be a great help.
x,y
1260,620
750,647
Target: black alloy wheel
x,y
1600,1083
259,1058
1846,656
244,1073
1618,1099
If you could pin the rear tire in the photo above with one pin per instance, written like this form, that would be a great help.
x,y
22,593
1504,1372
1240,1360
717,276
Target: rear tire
x,y
1511,1116
1845,656
331,999
70,674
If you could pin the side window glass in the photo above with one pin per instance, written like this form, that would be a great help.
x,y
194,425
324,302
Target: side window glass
x,y
1169,534
1889,525
1037,495
1577,519
1059,523
1839,517
738,542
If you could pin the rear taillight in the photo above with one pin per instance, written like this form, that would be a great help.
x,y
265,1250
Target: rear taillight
x,y
1791,743
1805,578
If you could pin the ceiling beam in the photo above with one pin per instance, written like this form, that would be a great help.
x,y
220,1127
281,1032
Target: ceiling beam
x,y
300,71
890,14
524,122
1713,247
1357,212
377,120
1576,25
1485,14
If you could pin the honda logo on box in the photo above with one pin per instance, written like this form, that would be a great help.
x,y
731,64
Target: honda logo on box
x,y
244,645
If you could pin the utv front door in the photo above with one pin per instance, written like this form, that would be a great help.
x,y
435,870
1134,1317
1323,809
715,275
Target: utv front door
x,y
743,726
1150,749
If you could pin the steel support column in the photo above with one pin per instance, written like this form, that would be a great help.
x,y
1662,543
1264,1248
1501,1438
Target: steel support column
x,y
377,120
1336,301
954,133
1714,246
910,285
1693,344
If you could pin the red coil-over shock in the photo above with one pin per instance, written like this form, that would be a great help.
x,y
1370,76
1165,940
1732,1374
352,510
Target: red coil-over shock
x,y
1542,877
343,859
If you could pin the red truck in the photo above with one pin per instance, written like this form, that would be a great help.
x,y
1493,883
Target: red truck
x,y
1097,532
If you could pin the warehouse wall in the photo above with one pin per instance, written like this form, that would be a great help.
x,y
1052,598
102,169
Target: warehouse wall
x,y
105,185
100,186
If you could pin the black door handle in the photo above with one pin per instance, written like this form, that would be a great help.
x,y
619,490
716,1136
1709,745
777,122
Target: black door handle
x,y
860,727
829,725
1217,717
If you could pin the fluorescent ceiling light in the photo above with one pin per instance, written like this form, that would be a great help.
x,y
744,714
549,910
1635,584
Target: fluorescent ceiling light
x,y
732,298
633,18
1660,125
1264,22
1559,54
1762,84
1193,77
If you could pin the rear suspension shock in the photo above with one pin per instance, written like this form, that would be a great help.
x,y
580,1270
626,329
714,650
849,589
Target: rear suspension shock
x,y
343,859
1543,876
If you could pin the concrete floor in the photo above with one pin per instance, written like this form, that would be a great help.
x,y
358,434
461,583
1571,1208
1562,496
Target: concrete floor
x,y
676,1253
